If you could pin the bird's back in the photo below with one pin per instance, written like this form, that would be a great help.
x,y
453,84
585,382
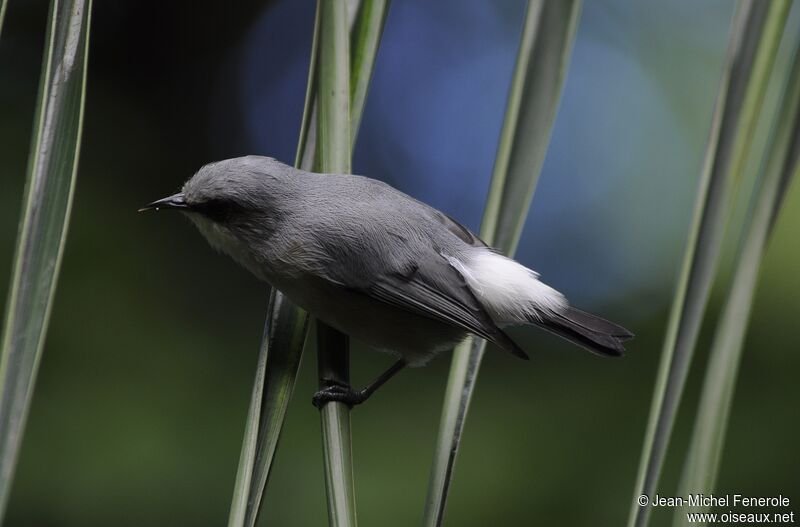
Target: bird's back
x,y
369,201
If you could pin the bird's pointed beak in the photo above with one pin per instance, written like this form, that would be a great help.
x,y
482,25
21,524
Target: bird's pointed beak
x,y
176,201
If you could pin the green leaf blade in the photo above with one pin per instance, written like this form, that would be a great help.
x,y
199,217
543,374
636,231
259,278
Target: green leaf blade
x,y
286,326
533,102
285,330
751,53
535,92
48,198
780,166
365,38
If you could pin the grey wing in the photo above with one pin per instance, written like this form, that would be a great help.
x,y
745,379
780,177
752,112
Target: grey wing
x,y
433,288
408,272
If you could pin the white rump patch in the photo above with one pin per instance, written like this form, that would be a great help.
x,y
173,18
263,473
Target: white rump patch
x,y
510,292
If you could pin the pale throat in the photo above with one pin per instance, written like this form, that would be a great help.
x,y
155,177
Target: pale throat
x,y
222,240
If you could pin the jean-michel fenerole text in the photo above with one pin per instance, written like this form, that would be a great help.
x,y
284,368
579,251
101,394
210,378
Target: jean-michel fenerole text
x,y
722,500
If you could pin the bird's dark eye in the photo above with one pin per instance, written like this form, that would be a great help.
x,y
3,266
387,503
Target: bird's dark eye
x,y
218,210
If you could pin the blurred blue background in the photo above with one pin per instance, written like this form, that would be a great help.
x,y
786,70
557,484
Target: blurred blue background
x,y
143,389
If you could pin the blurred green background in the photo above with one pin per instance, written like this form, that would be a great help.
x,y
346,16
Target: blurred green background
x,y
143,389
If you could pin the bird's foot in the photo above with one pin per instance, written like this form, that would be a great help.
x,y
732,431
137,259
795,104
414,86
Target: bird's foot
x,y
340,392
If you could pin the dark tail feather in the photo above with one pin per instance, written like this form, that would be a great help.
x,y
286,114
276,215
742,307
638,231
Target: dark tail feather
x,y
586,330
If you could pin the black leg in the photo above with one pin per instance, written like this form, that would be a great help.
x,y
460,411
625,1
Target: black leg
x,y
336,391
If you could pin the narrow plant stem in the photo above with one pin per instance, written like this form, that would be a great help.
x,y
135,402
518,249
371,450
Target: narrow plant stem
x,y
52,166
755,35
545,47
779,167
307,143
333,156
333,363
333,88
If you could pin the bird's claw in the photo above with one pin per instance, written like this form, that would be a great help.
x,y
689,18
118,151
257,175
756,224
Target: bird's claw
x,y
339,392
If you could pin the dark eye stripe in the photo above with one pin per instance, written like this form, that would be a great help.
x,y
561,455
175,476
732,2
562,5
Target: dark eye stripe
x,y
218,209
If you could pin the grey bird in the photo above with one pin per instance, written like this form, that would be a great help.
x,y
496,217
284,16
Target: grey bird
x,y
376,264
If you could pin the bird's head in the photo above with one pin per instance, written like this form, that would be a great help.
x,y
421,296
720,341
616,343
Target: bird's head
x,y
235,203
233,187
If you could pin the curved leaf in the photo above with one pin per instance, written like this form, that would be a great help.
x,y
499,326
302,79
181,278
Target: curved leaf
x,y
781,164
365,37
755,35
50,182
285,330
542,61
